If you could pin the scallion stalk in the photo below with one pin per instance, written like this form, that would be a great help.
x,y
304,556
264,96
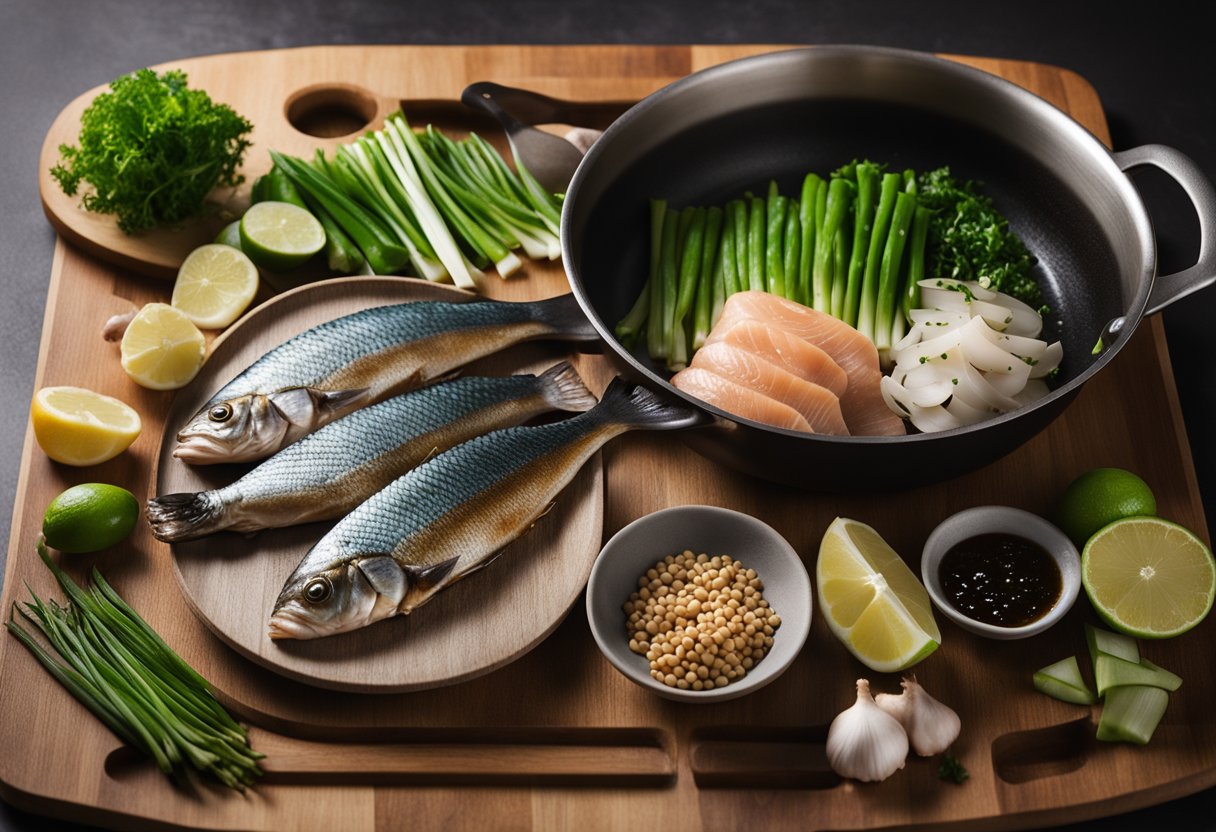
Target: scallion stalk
x,y
887,307
807,213
868,308
709,283
774,242
115,665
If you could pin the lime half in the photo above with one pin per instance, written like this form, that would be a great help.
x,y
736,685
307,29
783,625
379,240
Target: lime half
x,y
280,236
871,600
1148,577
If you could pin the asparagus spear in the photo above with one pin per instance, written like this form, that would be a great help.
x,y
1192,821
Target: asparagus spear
x,y
737,211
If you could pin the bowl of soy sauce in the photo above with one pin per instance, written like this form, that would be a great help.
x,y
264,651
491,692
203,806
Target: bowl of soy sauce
x,y
1001,572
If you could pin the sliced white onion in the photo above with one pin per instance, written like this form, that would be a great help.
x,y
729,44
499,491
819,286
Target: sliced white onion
x,y
972,353
1034,390
1052,356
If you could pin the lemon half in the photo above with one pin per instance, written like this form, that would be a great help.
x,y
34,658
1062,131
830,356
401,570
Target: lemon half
x,y
76,426
162,349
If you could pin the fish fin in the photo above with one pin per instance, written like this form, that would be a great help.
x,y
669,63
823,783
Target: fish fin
x,y
639,407
337,401
566,320
422,583
185,516
385,576
564,389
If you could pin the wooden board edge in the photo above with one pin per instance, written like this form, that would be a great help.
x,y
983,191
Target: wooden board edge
x,y
1157,326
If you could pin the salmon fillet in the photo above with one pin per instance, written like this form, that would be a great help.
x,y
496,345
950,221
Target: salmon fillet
x,y
739,400
818,405
785,350
864,411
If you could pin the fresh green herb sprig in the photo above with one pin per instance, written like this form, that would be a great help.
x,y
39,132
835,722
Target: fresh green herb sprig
x,y
952,770
153,149
970,240
122,671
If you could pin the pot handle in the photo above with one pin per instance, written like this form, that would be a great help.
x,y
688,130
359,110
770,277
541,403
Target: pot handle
x,y
1171,287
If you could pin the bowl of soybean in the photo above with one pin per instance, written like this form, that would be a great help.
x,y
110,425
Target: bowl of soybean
x,y
749,554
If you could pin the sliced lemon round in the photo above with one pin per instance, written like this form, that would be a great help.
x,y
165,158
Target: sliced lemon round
x,y
1148,577
871,600
76,426
279,236
162,349
215,284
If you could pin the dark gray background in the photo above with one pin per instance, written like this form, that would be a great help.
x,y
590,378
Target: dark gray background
x,y
1150,62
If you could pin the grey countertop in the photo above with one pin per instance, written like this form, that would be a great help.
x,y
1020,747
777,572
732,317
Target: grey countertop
x,y
1148,62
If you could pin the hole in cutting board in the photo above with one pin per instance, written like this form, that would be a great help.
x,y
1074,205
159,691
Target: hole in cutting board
x,y
767,757
331,110
1023,756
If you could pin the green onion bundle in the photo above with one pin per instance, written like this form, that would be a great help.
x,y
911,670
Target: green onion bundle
x,y
853,246
122,671
446,208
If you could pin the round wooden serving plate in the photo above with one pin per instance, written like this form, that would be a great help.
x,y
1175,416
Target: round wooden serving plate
x,y
482,623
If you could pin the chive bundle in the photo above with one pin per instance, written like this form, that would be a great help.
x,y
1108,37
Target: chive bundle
x,y
446,208
852,246
122,671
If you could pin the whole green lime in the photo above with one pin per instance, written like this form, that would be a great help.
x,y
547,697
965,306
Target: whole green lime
x,y
230,235
1100,497
89,517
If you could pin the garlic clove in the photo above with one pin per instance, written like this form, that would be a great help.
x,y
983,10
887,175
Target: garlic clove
x,y
931,726
865,742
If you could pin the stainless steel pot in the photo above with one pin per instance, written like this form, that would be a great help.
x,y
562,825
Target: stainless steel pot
x,y
714,134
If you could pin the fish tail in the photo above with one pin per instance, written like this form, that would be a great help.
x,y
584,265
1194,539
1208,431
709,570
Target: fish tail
x,y
184,516
639,407
565,318
564,390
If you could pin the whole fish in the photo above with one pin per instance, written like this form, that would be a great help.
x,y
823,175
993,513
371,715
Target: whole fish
x,y
452,515
359,359
328,473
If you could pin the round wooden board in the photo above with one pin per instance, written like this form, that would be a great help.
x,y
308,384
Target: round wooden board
x,y
483,622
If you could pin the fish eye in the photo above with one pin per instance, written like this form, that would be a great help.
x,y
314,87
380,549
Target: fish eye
x,y
318,590
220,413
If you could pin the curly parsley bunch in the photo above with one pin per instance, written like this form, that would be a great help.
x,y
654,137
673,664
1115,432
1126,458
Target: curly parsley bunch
x,y
153,150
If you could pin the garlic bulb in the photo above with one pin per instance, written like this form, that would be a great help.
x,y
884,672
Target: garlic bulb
x,y
931,726
865,742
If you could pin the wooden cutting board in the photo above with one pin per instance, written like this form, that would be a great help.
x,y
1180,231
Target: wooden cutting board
x,y
559,739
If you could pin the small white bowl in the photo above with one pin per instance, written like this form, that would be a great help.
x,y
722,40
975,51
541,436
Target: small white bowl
x,y
713,531
998,520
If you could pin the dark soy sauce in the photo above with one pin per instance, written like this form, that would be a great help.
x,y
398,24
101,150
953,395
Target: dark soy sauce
x,y
1000,579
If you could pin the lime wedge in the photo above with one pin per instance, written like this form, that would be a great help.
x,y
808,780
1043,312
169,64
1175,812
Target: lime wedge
x,y
1148,577
280,236
871,600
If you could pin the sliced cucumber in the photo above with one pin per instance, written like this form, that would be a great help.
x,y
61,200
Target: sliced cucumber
x,y
1112,644
1131,713
1063,681
1110,672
